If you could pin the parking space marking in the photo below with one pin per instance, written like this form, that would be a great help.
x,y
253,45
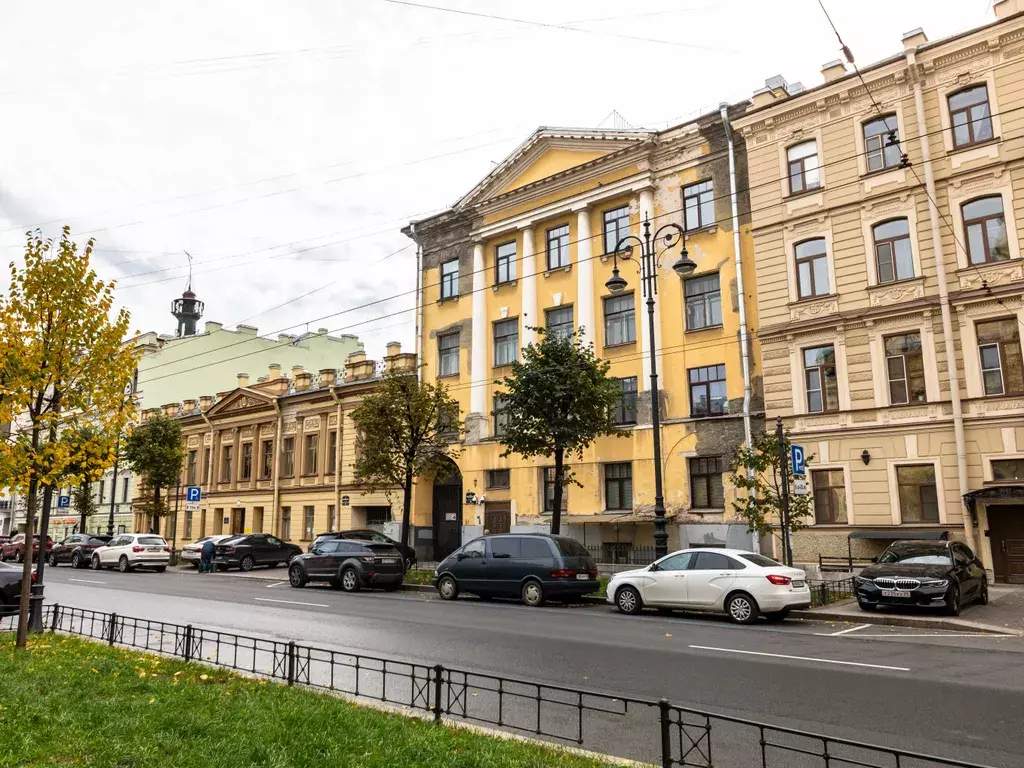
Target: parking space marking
x,y
277,584
291,602
800,658
87,581
844,631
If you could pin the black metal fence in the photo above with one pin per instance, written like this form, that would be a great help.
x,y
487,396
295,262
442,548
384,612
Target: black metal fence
x,y
622,554
642,729
825,592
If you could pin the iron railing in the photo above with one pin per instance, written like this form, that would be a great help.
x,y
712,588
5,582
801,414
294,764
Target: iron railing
x,y
826,592
622,554
848,563
641,729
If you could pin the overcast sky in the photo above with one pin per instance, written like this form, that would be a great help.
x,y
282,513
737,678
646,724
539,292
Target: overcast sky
x,y
284,144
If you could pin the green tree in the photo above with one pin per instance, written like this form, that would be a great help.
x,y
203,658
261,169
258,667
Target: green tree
x,y
63,363
558,400
83,503
92,449
155,453
405,428
756,470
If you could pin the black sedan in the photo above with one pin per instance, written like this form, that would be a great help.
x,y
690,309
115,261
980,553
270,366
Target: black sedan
x,y
76,549
349,565
367,535
10,588
924,574
246,552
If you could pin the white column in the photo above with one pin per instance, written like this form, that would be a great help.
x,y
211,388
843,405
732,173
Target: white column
x,y
647,211
478,361
585,277
528,280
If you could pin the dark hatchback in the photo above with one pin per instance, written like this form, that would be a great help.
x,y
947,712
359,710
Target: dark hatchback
x,y
923,574
533,567
10,588
349,565
247,551
367,535
77,549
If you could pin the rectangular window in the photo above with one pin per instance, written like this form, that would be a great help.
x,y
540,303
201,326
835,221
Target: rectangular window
x,y
124,489
970,116
505,263
803,167
500,416
450,279
288,457
619,320
246,461
706,489
812,268
227,454
625,411
332,451
309,460
506,342
332,518
703,302
699,205
616,227
190,474
618,486
1008,470
820,379
498,478
448,354
559,322
919,499
904,366
880,151
285,525
1002,369
558,247
378,515
829,495
549,491
307,523
207,465
893,257
707,391
266,459
985,228
188,524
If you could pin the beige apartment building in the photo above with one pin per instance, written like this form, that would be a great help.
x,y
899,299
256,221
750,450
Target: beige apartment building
x,y
890,291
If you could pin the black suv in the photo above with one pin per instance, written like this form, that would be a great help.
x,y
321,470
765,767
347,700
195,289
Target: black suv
x,y
246,552
368,536
349,565
923,574
530,566
77,549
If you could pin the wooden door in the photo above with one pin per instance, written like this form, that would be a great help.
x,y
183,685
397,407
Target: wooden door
x,y
1006,530
497,516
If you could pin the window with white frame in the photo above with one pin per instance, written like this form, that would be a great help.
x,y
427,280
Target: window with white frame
x,y
803,167
820,381
619,320
505,263
811,268
985,227
904,365
894,258
880,148
1002,369
699,205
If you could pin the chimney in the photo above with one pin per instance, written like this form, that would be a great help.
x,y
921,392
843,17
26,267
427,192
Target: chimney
x,y
358,367
170,409
212,326
327,377
1005,8
274,371
243,380
246,330
189,407
915,38
303,380
833,70
222,395
205,403
394,348
296,370
149,413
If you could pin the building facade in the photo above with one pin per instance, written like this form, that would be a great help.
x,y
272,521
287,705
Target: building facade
x,y
530,246
885,221
277,456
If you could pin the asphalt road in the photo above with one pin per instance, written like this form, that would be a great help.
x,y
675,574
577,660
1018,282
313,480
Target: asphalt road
x,y
949,695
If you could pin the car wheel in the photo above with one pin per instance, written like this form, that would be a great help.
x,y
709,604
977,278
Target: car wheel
x,y
123,565
52,560
447,588
160,568
247,563
273,564
628,601
222,568
391,587
291,556
983,592
19,556
868,607
350,580
96,564
76,560
953,601
777,616
296,577
742,608
532,594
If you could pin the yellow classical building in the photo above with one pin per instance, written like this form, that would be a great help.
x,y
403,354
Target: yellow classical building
x,y
529,247
890,290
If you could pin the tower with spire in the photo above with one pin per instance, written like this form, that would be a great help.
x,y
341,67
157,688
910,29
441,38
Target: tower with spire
x,y
188,309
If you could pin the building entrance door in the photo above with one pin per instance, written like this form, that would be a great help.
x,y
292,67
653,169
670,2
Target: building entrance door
x,y
447,512
1006,529
238,520
497,516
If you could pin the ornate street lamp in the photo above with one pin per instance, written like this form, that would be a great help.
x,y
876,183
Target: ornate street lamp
x,y
648,260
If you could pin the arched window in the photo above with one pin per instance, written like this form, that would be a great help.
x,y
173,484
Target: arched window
x,y
970,116
880,152
893,258
985,229
812,268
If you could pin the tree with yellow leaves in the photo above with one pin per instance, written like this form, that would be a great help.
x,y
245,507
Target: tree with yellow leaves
x,y
64,363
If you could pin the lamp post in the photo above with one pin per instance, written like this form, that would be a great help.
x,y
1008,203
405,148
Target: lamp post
x,y
648,261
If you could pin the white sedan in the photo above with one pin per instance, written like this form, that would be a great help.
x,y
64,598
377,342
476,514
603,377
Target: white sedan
x,y
742,584
192,553
133,550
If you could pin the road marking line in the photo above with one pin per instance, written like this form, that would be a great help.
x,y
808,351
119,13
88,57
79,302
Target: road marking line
x,y
800,658
291,602
88,581
277,584
944,634
844,631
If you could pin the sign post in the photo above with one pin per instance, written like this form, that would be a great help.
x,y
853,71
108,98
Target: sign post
x,y
787,547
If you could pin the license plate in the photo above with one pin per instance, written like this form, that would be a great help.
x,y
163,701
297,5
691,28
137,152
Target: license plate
x,y
154,549
389,559
583,576
895,593
798,584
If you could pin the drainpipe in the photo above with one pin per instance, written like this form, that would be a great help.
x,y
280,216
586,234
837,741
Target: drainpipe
x,y
208,470
276,468
419,309
947,322
337,456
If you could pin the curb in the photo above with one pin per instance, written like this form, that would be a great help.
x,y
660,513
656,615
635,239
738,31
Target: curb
x,y
913,622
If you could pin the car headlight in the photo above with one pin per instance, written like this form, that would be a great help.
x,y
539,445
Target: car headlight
x,y
935,584
861,580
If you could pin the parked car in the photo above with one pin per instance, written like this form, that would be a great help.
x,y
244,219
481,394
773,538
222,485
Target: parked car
x,y
15,548
349,565
924,574
192,553
77,549
133,550
368,535
531,566
10,588
247,551
742,584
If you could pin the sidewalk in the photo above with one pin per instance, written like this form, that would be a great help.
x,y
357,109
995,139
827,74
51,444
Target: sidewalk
x,y
1004,614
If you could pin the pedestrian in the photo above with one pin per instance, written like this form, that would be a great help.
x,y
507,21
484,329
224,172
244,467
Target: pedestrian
x,y
206,557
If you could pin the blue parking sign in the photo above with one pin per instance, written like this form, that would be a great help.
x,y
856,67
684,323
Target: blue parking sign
x,y
193,493
63,502
797,461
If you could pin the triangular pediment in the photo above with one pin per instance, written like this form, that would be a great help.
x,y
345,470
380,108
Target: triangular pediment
x,y
242,399
547,153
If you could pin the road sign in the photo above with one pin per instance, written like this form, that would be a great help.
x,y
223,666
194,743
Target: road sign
x,y
797,462
193,493
191,506
63,502
800,486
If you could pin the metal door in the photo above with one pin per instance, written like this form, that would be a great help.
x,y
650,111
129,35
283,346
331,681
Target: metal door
x,y
447,513
1006,528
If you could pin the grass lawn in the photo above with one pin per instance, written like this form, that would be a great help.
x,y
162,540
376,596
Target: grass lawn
x,y
70,702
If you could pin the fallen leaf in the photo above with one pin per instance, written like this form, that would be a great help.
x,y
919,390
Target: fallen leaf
x,y
204,677
668,634
152,700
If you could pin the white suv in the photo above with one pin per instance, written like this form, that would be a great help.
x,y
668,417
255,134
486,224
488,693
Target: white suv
x,y
133,550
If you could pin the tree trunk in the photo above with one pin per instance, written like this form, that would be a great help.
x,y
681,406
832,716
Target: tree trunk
x,y
156,509
406,505
26,568
84,508
556,512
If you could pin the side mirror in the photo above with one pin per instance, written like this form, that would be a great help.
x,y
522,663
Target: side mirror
x,y
874,559
654,567
461,556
